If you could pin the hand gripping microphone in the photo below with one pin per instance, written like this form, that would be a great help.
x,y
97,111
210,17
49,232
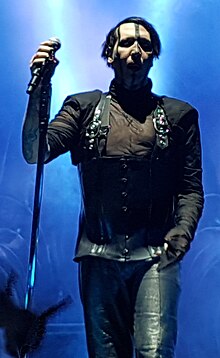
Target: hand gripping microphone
x,y
48,65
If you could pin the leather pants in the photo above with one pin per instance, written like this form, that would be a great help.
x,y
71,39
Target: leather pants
x,y
130,308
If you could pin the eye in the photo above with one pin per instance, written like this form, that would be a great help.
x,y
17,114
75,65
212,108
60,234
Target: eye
x,y
145,45
126,42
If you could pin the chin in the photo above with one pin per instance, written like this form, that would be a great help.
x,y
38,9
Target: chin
x,y
134,67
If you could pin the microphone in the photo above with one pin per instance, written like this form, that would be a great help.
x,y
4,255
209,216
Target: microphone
x,y
48,65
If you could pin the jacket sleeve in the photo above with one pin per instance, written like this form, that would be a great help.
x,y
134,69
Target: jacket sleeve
x,y
64,132
190,196
190,199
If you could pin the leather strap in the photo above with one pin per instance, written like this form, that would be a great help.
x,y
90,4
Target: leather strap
x,y
97,130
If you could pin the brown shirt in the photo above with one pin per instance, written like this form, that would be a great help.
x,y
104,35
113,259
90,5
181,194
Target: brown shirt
x,y
128,136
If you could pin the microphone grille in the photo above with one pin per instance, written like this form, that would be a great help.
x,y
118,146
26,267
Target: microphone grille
x,y
56,42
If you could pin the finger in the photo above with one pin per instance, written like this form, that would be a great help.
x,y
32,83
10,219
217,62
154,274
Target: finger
x,y
37,62
158,251
45,48
165,246
39,57
43,51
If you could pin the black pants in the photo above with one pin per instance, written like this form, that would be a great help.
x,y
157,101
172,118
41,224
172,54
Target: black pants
x,y
129,306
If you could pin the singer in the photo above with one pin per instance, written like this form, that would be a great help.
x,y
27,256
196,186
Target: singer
x,y
139,161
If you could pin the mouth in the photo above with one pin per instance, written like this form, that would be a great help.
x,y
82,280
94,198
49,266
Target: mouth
x,y
134,66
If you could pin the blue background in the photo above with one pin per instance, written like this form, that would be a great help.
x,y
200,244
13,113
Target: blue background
x,y
188,69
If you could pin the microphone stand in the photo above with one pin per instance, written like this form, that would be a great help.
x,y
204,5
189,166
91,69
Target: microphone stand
x,y
44,114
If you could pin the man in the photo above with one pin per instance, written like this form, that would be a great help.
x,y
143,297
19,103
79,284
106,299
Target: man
x,y
139,164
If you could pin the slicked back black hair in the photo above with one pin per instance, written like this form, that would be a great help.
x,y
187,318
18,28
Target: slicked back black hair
x,y
111,38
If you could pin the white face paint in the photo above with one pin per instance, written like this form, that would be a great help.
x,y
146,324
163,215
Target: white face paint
x,y
132,56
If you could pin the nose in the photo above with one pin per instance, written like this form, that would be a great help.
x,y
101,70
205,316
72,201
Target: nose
x,y
136,56
136,47
136,52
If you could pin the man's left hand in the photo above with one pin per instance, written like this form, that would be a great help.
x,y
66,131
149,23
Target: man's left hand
x,y
175,246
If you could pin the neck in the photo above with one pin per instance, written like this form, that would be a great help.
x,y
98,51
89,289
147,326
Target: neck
x,y
132,86
137,103
131,83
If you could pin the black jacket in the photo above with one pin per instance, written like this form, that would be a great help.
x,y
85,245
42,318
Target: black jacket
x,y
175,194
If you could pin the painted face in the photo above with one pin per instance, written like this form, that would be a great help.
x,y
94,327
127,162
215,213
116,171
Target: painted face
x,y
132,54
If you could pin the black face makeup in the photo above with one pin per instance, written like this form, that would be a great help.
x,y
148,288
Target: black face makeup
x,y
143,43
127,42
132,55
137,31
